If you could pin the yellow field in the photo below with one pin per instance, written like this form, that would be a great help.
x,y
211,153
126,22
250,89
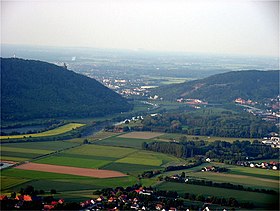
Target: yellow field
x,y
53,132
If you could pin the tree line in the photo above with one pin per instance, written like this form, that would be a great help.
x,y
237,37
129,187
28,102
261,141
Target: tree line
x,y
220,150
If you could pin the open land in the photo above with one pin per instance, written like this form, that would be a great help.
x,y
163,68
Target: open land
x,y
71,170
57,131
114,152
141,135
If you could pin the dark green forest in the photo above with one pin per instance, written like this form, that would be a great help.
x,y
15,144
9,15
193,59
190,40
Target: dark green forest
x,y
226,87
210,123
35,89
221,150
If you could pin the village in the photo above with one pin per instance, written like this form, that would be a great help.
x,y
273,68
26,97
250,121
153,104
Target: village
x,y
130,198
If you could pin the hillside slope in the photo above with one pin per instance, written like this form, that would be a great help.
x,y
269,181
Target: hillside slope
x,y
35,89
226,87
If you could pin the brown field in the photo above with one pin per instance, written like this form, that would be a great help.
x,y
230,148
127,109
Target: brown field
x,y
71,170
141,135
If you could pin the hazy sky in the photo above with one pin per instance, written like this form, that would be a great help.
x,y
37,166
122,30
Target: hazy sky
x,y
213,26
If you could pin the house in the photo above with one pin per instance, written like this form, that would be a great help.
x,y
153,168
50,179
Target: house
x,y
274,167
208,160
175,176
240,101
252,165
3,197
48,207
159,206
134,206
100,198
208,168
23,198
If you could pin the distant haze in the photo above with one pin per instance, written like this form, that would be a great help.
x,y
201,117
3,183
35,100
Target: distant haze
x,y
210,26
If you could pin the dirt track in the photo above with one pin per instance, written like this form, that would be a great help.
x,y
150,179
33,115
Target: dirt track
x,y
71,170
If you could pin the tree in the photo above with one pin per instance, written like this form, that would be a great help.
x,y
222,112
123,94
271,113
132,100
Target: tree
x,y
13,195
183,175
53,191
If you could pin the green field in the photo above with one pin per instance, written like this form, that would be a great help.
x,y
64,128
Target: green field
x,y
124,142
126,160
259,199
249,177
30,150
14,179
57,131
111,152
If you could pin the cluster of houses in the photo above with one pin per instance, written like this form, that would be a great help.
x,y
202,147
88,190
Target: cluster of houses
x,y
274,165
131,198
273,140
244,102
271,114
26,201
195,103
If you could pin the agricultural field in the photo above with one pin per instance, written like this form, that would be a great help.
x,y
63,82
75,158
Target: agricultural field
x,y
57,131
126,160
61,182
246,176
124,142
111,151
141,135
130,161
30,150
96,173
261,200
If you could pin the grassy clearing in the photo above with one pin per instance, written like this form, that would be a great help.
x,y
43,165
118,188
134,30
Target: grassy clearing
x,y
53,132
259,199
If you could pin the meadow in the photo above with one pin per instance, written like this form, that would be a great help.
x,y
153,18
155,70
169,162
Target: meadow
x,y
57,131
246,176
258,199
126,160
30,150
124,142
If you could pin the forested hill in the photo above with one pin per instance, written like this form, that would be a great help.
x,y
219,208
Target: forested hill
x,y
226,87
35,89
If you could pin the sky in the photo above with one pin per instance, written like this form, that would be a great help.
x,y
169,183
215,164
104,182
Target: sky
x,y
207,26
